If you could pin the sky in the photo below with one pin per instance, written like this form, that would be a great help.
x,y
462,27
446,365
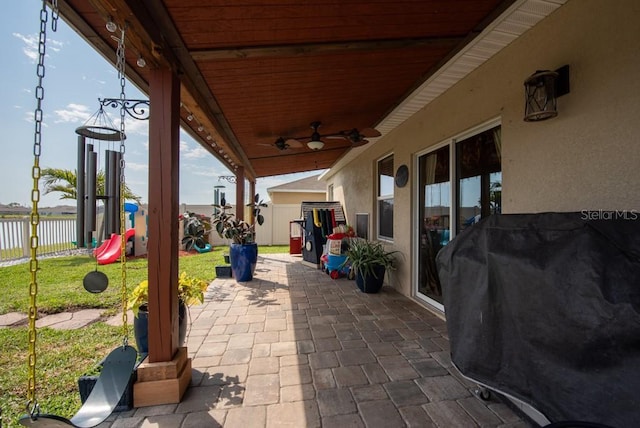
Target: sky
x,y
75,77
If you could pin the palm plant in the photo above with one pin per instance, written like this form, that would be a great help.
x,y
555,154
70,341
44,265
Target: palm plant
x,y
65,181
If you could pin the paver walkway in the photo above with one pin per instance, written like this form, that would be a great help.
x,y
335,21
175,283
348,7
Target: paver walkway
x,y
294,348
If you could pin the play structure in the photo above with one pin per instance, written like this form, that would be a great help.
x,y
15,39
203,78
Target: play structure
x,y
118,367
109,251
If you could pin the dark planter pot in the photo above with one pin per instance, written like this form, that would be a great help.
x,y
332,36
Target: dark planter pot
x,y
141,327
370,283
244,258
87,382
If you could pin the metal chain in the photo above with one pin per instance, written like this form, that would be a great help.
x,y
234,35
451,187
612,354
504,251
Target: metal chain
x,y
32,404
120,65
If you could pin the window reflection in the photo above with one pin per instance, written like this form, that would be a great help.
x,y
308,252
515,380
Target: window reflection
x,y
477,193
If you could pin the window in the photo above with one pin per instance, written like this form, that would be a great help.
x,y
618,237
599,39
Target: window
x,y
385,198
362,225
479,177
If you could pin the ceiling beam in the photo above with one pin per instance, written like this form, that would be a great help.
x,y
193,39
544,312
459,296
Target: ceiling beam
x,y
319,48
159,25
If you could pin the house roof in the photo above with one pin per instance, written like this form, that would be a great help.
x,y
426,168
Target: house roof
x,y
254,71
305,185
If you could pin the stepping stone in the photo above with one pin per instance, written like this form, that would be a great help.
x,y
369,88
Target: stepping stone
x,y
12,318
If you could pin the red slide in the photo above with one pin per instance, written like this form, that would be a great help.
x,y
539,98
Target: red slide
x,y
109,251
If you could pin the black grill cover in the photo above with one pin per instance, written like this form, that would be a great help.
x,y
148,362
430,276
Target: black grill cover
x,y
545,307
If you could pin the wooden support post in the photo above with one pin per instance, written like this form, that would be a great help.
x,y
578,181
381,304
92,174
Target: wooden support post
x,y
165,376
240,193
164,144
252,194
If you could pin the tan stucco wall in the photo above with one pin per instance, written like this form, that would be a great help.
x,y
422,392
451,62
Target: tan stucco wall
x,y
296,197
586,158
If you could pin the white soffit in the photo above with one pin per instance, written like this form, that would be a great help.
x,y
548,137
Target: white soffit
x,y
515,21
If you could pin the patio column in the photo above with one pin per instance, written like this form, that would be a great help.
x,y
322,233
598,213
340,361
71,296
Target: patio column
x,y
165,375
164,173
252,194
240,193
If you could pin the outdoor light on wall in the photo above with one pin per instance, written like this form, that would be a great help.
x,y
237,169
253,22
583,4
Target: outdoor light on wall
x,y
542,90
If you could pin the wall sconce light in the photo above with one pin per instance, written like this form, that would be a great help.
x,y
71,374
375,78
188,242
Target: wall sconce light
x,y
542,90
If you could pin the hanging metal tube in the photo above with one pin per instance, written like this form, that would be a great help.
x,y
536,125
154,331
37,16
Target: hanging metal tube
x,y
90,218
80,193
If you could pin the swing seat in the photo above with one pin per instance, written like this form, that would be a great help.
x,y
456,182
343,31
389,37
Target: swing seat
x,y
116,372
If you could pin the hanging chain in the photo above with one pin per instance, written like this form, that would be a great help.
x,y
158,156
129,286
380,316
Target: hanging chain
x,y
121,64
32,404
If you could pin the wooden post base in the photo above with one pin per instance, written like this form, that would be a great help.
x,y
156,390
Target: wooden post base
x,y
162,383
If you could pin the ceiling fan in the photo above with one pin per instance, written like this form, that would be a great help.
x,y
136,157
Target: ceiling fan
x,y
315,140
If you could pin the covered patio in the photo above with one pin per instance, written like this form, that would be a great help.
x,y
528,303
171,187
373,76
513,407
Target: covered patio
x,y
295,348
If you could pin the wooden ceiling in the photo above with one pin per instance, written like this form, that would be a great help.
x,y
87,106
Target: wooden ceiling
x,y
256,70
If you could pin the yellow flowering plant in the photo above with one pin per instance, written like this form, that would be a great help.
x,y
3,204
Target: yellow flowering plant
x,y
190,291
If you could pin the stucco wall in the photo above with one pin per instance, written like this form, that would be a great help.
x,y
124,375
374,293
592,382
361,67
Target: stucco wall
x,y
586,158
296,197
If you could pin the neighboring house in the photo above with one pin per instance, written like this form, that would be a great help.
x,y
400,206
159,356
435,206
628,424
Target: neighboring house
x,y
469,153
285,206
14,210
294,192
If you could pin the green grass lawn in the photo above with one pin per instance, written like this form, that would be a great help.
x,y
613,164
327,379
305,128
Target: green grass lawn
x,y
65,355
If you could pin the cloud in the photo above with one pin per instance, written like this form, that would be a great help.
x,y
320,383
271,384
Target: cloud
x,y
29,117
30,48
133,166
198,152
31,42
74,113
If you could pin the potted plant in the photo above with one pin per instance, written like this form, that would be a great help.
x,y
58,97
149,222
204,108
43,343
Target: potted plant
x,y
195,233
190,292
369,261
243,250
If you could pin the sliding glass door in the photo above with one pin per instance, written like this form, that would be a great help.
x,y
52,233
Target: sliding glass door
x,y
475,172
435,218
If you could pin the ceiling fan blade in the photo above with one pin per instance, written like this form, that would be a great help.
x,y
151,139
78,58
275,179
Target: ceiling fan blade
x,y
336,137
359,143
293,143
370,132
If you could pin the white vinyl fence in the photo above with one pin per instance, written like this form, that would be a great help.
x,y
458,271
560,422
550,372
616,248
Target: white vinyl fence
x,y
54,235
59,234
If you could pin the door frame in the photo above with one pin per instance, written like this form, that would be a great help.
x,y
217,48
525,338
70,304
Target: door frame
x,y
416,221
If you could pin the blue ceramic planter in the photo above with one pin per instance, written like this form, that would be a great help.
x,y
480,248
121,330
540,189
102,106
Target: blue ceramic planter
x,y
244,258
141,327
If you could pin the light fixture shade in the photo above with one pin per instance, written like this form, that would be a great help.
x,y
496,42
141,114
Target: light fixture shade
x,y
315,144
540,96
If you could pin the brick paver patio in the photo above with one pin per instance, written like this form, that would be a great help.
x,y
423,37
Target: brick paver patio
x,y
294,348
